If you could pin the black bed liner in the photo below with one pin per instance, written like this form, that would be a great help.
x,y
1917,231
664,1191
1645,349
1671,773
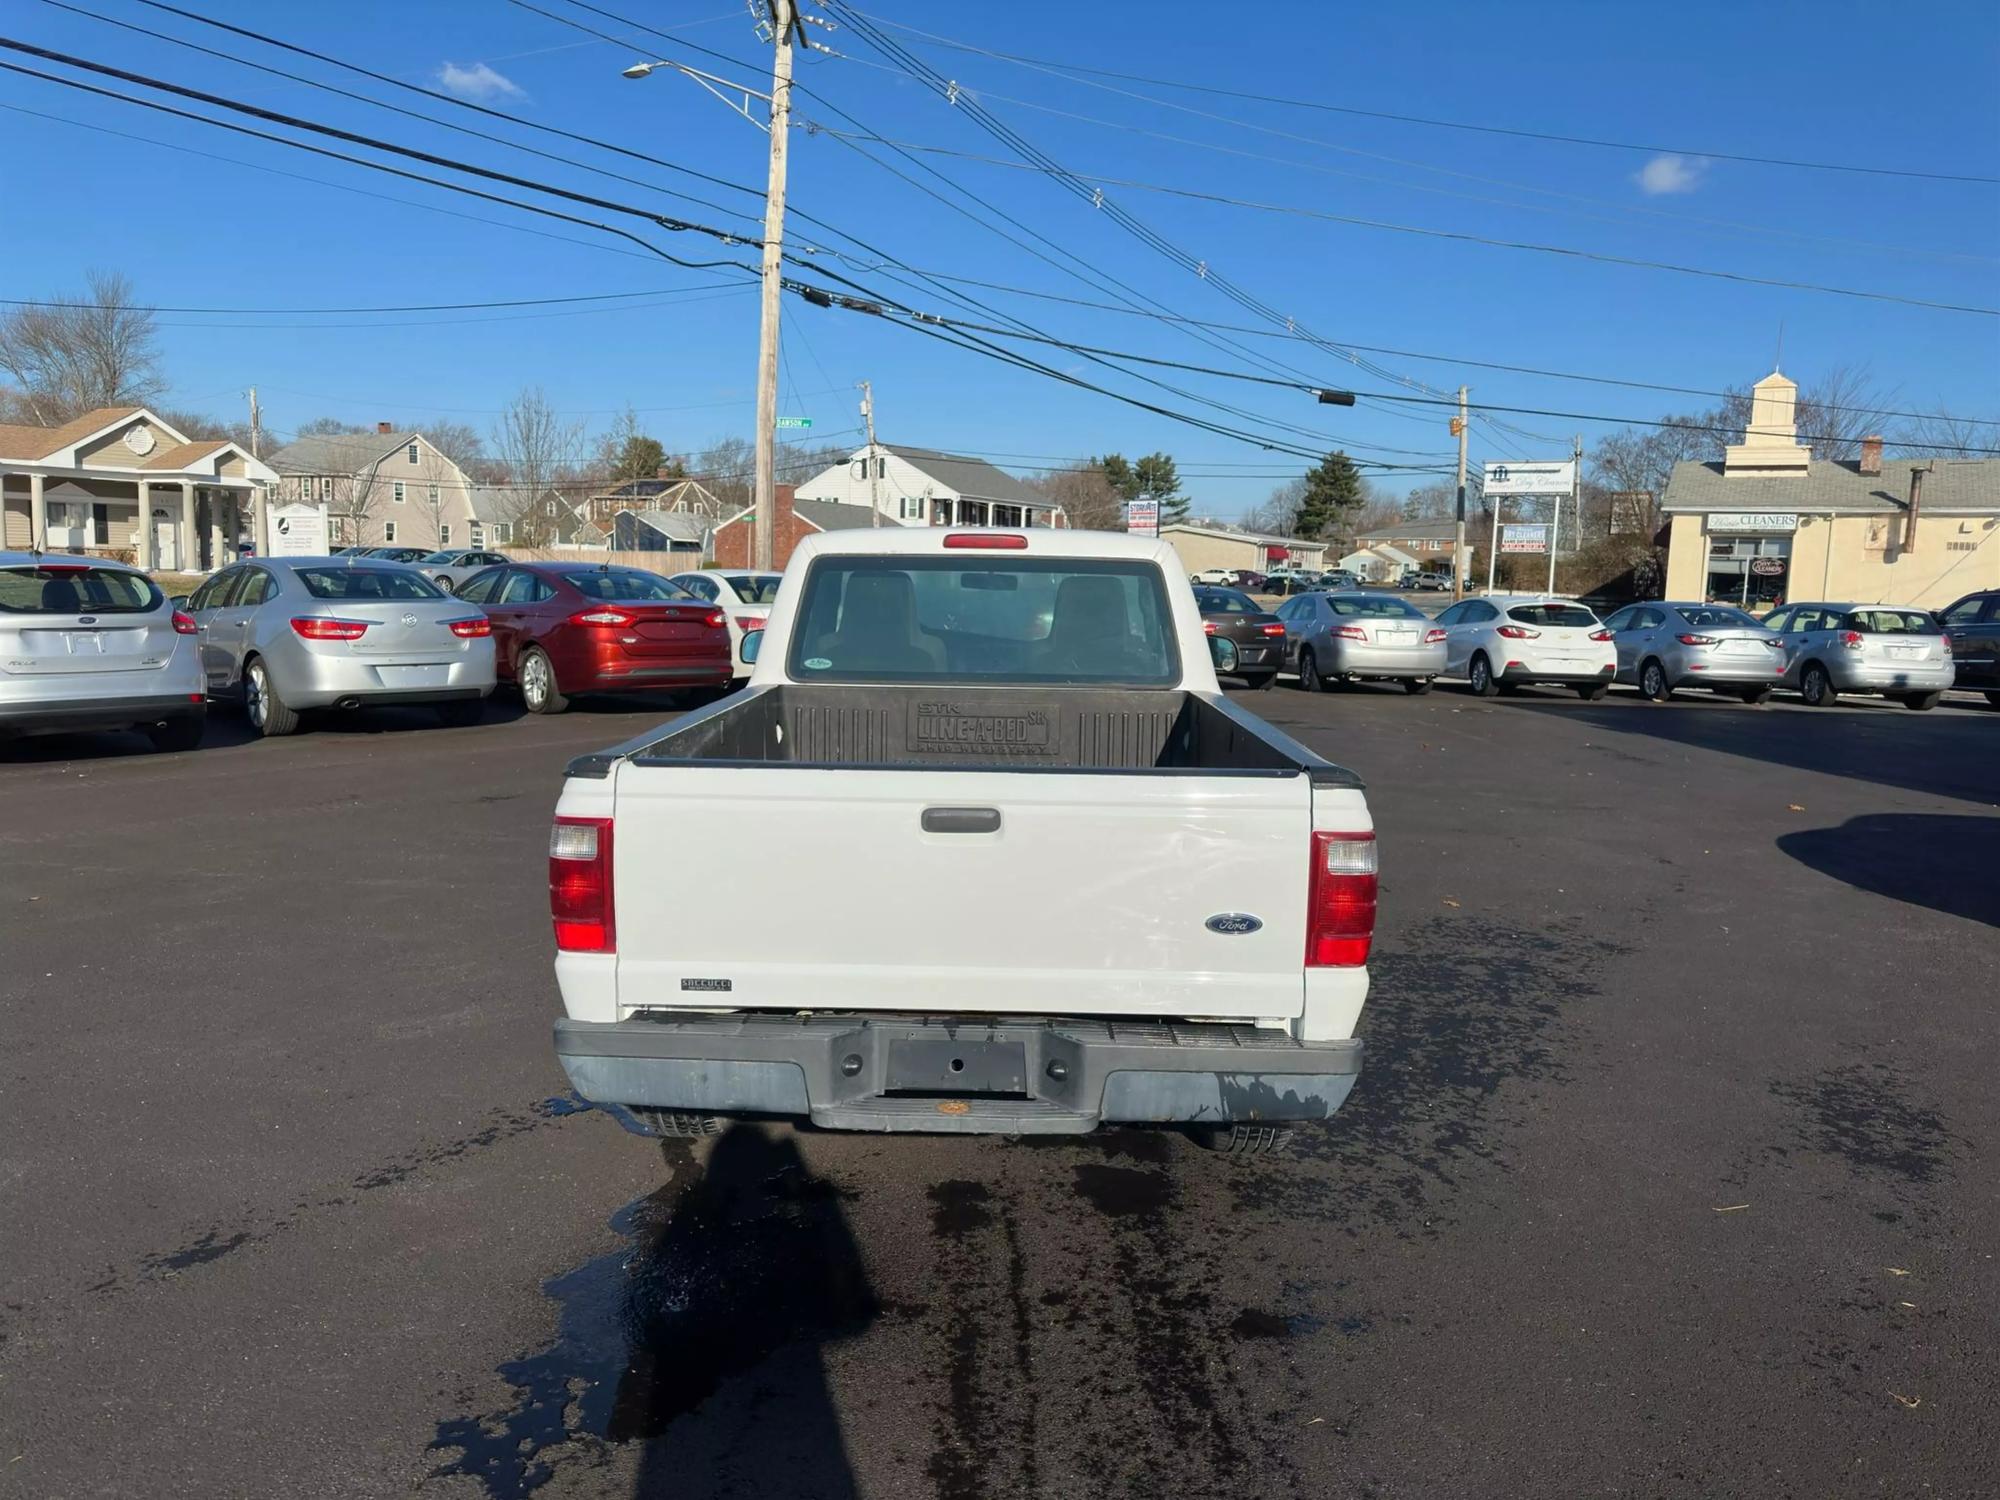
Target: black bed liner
x,y
1017,729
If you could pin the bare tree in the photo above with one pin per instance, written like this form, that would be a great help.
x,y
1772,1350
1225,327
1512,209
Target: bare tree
x,y
1087,497
538,450
82,350
1948,436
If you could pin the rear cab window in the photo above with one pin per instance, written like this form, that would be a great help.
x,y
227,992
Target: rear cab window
x,y
1554,615
76,588
366,583
989,621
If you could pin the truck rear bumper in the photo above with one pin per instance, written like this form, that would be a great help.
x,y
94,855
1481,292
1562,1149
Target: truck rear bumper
x,y
1019,1076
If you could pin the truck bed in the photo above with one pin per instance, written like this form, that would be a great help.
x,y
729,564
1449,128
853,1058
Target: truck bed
x,y
1019,729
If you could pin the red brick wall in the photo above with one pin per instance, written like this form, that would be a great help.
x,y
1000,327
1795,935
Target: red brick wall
x,y
735,543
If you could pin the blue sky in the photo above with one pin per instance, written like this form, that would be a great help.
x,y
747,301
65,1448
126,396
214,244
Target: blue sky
x,y
1907,87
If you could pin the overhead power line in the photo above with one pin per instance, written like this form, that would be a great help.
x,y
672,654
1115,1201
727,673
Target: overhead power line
x,y
933,39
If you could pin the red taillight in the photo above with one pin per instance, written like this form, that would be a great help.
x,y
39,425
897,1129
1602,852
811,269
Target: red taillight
x,y
1274,628
1349,632
1340,900
45,570
1208,627
1851,639
1518,632
1605,635
987,541
473,628
580,885
319,628
604,617
748,623
185,625
715,619
1691,640
1433,636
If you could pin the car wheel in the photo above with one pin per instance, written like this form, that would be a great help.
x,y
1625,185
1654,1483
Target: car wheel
x,y
183,733
461,713
1755,694
269,714
1591,692
1309,677
539,692
1653,682
1816,687
443,583
1416,686
1242,1139
1922,702
1479,676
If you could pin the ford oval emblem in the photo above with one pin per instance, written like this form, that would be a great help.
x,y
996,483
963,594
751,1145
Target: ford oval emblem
x,y
1233,923
86,619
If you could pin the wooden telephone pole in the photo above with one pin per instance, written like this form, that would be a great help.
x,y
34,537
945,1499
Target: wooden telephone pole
x,y
785,25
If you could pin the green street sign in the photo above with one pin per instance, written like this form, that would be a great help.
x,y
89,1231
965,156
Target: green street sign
x,y
795,421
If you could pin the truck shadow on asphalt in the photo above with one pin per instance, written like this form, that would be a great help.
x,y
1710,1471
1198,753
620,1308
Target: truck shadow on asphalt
x,y
742,1264
1950,864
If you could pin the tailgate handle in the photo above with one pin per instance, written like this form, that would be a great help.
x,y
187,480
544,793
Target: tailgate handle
x,y
961,820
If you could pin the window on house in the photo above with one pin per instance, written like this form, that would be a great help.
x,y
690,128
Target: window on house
x,y
859,468
389,527
434,494
503,533
444,534
397,493
475,534
881,468
413,453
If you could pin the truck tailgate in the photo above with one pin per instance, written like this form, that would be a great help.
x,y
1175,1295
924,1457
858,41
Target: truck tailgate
x,y
987,891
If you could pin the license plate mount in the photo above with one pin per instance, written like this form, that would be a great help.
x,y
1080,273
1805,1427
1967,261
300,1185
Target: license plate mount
x,y
958,1067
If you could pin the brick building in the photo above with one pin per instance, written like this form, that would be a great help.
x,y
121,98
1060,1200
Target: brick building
x,y
734,544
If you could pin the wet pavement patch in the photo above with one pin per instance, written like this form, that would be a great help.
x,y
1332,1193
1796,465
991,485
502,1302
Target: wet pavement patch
x,y
697,1338
1123,1192
211,1246
1256,1323
1864,1114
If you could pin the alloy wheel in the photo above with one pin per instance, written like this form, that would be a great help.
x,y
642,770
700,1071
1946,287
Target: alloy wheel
x,y
253,695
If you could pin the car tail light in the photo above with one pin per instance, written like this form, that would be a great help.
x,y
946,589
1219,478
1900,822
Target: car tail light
x,y
1851,639
600,617
1340,900
580,885
319,628
987,541
715,619
47,569
1349,633
1208,627
472,628
184,624
1274,628
1690,640
1434,635
1518,632
1774,643
1605,635
748,623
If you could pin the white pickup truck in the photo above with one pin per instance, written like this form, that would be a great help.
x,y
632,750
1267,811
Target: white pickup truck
x,y
1011,862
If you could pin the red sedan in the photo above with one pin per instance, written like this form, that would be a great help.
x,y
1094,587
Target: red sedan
x,y
560,629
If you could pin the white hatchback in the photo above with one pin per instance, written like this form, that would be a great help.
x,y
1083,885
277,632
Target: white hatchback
x,y
745,597
1498,645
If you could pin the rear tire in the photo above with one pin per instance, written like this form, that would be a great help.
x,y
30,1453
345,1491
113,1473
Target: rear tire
x,y
1754,695
1416,687
1242,1139
461,713
1653,686
1479,677
537,675
1591,692
1922,702
1309,678
443,583
268,713
1816,687
183,733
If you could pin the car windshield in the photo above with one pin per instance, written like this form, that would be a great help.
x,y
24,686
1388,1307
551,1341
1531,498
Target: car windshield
x,y
1552,614
623,583
367,583
1373,607
74,589
755,588
1892,622
1708,617
1224,602
985,620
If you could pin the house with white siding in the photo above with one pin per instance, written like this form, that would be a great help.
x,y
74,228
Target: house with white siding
x,y
381,488
922,487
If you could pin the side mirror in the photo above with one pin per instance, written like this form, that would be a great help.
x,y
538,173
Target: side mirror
x,y
1223,651
752,641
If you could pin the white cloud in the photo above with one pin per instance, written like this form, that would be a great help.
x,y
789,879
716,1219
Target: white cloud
x,y
478,82
1671,173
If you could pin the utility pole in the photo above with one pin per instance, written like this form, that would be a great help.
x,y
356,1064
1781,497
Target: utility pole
x,y
256,426
260,503
784,24
868,419
1458,546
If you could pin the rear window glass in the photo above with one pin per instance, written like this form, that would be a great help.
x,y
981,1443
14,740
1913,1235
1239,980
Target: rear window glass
x,y
622,583
367,583
1374,607
75,591
760,588
1552,614
984,620
440,557
1892,622
1224,602
1719,619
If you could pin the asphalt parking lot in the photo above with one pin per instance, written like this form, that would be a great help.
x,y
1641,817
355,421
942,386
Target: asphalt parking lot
x,y
1671,1171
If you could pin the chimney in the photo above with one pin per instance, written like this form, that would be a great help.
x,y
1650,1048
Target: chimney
x,y
384,428
1871,455
664,471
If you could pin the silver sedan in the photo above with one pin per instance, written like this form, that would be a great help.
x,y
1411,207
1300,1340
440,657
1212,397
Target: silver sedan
x,y
1349,637
1665,646
292,633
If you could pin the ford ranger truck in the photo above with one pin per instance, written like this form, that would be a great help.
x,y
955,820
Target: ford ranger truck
x,y
1014,864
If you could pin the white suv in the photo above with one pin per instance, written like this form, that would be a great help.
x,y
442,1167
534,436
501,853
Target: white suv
x,y
1499,645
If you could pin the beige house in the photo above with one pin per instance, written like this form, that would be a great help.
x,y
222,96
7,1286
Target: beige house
x,y
1204,547
120,482
382,488
1770,522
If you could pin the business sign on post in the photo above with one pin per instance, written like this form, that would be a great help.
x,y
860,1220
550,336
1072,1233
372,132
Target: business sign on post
x,y
1520,537
298,531
1142,517
1751,522
1530,479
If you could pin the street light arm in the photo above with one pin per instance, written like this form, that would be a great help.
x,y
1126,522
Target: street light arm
x,y
722,88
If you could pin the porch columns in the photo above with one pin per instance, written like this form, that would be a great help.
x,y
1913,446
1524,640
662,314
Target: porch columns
x,y
260,519
38,515
142,536
189,560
